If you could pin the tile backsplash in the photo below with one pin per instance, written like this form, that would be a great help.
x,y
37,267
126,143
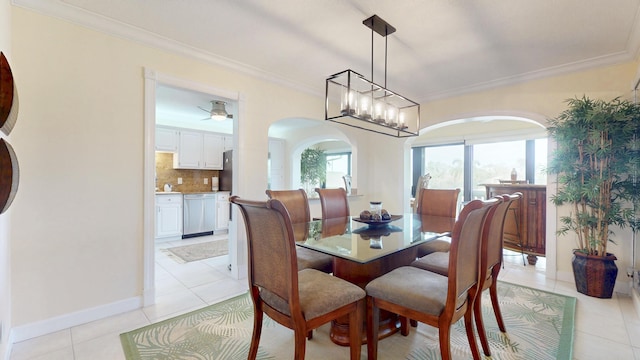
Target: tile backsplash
x,y
192,180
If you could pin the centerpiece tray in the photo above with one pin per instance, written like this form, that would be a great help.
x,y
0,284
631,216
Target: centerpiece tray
x,y
377,223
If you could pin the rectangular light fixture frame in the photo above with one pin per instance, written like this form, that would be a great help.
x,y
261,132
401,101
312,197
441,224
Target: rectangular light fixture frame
x,y
352,100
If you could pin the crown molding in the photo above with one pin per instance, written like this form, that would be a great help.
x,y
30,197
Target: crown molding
x,y
58,9
617,58
125,31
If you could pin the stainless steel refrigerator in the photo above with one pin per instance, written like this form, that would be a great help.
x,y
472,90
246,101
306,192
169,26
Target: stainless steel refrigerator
x,y
226,175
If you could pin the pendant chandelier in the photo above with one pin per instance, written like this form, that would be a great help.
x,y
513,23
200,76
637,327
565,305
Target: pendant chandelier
x,y
354,101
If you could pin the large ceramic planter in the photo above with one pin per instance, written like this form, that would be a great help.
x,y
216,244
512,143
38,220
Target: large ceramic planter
x,y
594,275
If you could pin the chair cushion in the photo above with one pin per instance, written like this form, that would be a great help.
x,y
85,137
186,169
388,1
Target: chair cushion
x,y
440,245
437,262
412,288
320,293
311,259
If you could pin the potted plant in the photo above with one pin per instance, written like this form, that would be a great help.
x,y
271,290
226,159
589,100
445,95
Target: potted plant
x,y
595,163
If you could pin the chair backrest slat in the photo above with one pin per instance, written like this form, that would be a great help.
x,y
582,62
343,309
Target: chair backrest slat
x,y
269,237
494,242
334,203
464,255
295,201
297,205
438,202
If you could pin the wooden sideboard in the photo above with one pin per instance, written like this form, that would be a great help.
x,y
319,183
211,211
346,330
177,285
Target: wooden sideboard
x,y
525,224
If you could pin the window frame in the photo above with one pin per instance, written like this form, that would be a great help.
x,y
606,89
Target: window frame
x,y
418,162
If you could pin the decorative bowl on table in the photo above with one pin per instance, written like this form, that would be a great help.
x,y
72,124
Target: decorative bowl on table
x,y
377,223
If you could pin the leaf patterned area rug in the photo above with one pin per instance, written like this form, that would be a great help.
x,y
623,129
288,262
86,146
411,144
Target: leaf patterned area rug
x,y
540,325
199,251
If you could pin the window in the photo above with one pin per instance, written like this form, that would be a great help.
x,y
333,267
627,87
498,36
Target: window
x,y
338,165
468,167
324,164
495,161
445,164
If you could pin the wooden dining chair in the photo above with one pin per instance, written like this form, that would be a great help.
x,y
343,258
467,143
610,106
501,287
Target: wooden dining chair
x,y
431,298
490,265
297,204
334,203
441,203
300,300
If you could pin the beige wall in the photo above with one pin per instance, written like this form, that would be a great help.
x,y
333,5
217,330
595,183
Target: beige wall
x,y
5,219
539,99
78,228
77,223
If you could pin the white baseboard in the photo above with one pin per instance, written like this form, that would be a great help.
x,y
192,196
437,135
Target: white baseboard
x,y
9,347
39,328
635,294
565,276
149,297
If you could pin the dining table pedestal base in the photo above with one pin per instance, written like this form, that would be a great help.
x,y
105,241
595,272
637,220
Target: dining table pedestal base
x,y
389,325
361,275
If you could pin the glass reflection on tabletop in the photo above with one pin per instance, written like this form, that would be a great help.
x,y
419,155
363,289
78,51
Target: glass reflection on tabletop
x,y
357,241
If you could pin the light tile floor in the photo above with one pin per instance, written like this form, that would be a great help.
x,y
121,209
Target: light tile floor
x,y
605,329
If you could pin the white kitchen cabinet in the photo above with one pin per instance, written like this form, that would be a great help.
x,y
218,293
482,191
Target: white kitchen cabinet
x,y
222,210
212,149
168,215
166,139
189,155
198,150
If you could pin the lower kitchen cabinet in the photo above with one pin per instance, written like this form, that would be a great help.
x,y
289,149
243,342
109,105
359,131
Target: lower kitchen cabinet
x,y
168,215
222,210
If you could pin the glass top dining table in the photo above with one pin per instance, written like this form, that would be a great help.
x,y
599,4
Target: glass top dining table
x,y
360,242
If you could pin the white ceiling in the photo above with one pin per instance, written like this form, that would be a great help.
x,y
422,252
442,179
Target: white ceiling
x,y
441,48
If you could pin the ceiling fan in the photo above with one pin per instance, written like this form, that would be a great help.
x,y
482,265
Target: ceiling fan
x,y
218,111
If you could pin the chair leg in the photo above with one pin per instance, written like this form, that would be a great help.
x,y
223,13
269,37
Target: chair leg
x,y
301,344
257,330
310,335
444,334
468,325
373,321
404,325
493,291
477,312
355,329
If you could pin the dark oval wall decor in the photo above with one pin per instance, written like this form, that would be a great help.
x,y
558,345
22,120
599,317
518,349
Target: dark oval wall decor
x,y
8,97
9,175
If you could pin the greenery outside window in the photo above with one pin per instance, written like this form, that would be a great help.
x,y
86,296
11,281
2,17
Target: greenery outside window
x,y
313,169
468,166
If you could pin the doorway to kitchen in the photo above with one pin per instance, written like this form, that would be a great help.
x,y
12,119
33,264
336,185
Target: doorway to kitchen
x,y
164,97
183,284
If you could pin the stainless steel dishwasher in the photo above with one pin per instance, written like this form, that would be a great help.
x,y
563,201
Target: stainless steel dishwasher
x,y
199,215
